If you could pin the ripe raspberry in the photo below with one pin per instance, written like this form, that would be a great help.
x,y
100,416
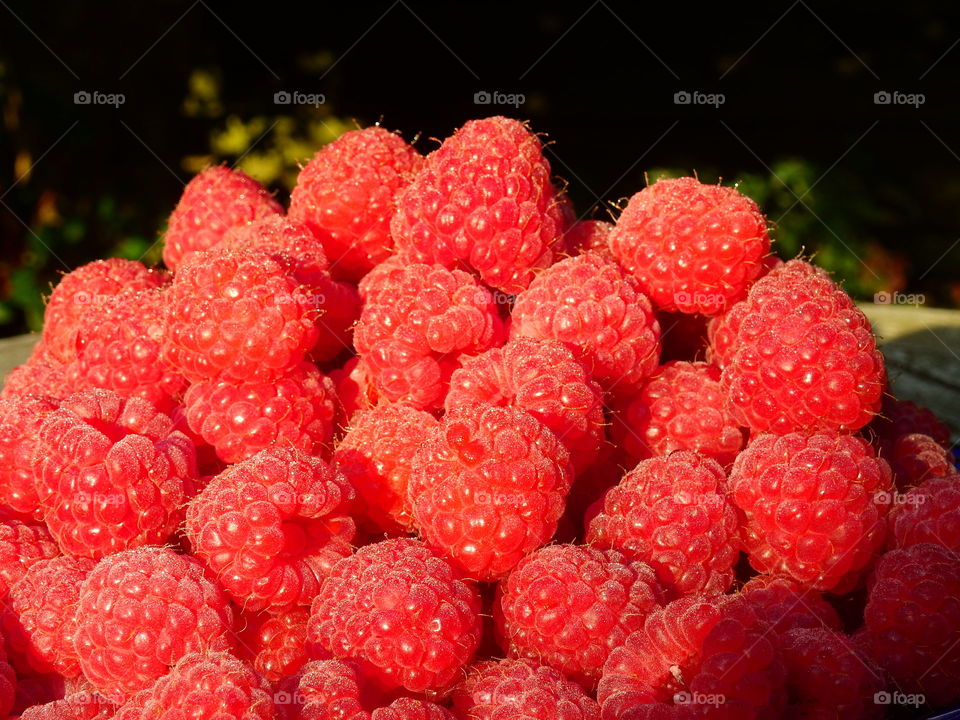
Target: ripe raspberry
x,y
802,356
375,456
568,606
402,613
483,200
488,487
42,376
902,417
204,686
39,622
355,389
598,311
213,202
91,285
588,236
142,610
813,506
77,706
111,473
20,420
270,528
21,545
276,644
828,678
239,318
673,513
8,683
347,193
913,621
240,419
695,248
414,328
521,690
543,378
786,605
929,513
914,458
680,407
696,657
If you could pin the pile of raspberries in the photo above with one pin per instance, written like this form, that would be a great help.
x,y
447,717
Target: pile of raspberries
x,y
425,446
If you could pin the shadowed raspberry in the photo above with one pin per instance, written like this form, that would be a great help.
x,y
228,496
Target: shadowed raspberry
x,y
21,545
355,389
914,458
20,421
588,236
270,528
8,682
903,417
275,643
929,513
786,605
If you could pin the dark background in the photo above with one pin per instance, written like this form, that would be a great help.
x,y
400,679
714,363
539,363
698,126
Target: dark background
x,y
879,185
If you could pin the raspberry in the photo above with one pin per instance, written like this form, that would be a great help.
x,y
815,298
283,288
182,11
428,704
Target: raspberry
x,y
276,644
142,610
91,285
355,388
415,326
828,678
8,683
813,506
239,318
347,193
543,378
929,513
483,200
913,621
914,458
21,545
213,202
786,605
802,356
39,622
375,456
568,606
111,473
588,236
204,686
673,513
680,407
402,613
598,311
42,376
240,419
20,421
696,657
270,528
521,690
694,248
902,417
77,706
488,487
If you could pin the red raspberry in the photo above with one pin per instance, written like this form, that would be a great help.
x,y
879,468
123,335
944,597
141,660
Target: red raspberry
x,y
684,336
521,690
142,610
680,407
786,605
375,456
673,513
39,690
355,389
8,683
803,356
347,192
20,421
111,473
813,506
929,513
119,350
402,613
696,657
212,202
488,487
239,318
41,376
77,706
92,285
270,528
913,621
914,458
483,200
827,677
276,644
415,326
695,248
204,686
588,236
598,311
21,545
543,378
903,417
39,622
240,419
568,606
